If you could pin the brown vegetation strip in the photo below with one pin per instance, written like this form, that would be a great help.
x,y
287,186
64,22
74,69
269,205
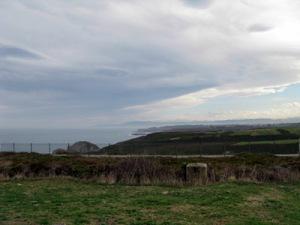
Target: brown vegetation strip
x,y
149,170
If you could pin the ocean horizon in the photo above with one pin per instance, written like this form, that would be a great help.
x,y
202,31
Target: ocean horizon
x,y
99,136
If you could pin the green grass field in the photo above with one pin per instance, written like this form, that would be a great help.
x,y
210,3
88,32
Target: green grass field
x,y
268,131
276,142
62,201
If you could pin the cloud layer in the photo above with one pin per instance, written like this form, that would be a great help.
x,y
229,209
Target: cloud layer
x,y
102,62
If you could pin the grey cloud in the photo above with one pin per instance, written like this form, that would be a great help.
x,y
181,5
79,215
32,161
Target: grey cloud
x,y
114,54
110,88
15,52
259,28
199,3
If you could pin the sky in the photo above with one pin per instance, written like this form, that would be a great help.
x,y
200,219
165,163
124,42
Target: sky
x,y
91,63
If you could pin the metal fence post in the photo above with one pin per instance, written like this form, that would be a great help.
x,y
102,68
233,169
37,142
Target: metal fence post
x,y
49,149
31,147
14,147
299,146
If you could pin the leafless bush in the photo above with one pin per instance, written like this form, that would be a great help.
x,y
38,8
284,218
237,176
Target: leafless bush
x,y
148,171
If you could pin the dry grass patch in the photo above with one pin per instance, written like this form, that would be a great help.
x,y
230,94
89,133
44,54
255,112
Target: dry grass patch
x,y
182,208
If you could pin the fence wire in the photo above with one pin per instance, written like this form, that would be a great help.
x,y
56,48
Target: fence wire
x,y
42,148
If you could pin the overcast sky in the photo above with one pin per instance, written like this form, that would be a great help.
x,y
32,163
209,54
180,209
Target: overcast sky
x,y
89,63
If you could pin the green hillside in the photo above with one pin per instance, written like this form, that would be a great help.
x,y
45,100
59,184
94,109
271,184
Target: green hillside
x,y
272,140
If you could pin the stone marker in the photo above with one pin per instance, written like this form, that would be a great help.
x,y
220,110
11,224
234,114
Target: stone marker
x,y
196,173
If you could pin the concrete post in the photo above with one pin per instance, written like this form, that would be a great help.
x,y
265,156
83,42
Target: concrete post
x,y
196,173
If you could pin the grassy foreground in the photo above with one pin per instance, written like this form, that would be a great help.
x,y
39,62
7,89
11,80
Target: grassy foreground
x,y
62,201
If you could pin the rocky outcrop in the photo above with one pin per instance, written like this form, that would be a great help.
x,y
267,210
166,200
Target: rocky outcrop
x,y
83,147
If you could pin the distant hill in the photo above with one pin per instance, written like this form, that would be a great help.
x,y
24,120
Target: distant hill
x,y
199,139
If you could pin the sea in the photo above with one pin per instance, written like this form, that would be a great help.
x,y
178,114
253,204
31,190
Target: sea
x,y
104,135
47,140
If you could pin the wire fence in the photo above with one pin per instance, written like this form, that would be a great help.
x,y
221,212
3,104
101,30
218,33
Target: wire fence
x,y
161,148
42,148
